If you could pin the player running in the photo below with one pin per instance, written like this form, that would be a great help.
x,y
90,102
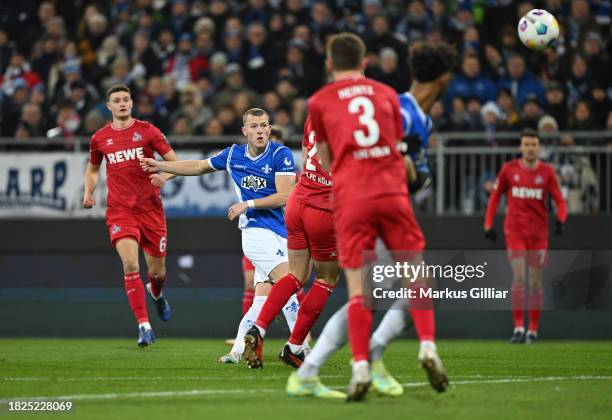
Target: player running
x,y
527,182
263,173
432,65
135,215
358,126
310,234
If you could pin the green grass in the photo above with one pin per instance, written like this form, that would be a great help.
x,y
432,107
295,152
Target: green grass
x,y
489,379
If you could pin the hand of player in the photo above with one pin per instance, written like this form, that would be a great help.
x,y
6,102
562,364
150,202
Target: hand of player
x,y
490,234
89,201
236,210
149,165
157,180
559,228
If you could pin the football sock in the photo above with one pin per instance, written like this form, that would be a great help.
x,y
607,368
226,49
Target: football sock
x,y
535,310
332,338
247,321
135,291
310,310
157,284
301,294
290,310
518,302
295,348
359,328
277,298
247,300
146,325
421,310
391,326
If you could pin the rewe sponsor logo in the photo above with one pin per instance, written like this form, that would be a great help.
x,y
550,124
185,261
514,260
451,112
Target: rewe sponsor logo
x,y
528,193
125,155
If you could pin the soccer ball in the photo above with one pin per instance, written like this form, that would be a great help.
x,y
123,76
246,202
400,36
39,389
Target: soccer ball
x,y
538,29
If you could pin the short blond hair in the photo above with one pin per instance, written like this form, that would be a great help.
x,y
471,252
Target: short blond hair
x,y
256,112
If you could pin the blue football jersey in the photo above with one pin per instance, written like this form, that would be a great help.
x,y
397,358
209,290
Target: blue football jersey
x,y
417,127
255,178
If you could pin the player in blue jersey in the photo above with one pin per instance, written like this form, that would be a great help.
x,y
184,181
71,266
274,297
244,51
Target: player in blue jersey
x,y
263,173
432,66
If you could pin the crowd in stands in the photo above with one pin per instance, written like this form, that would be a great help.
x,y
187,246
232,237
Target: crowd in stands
x,y
194,66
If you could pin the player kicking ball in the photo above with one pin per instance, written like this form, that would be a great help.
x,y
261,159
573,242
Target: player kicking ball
x,y
527,183
135,215
310,234
432,65
263,173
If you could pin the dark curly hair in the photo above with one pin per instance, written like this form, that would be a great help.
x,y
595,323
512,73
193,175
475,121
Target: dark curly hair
x,y
429,61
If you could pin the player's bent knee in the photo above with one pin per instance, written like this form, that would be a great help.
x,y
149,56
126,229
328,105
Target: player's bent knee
x,y
131,266
157,273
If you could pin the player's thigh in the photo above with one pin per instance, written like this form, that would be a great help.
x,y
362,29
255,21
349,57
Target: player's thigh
x,y
155,265
399,229
319,228
248,271
353,281
153,232
122,225
537,252
299,264
516,249
327,271
267,251
127,248
355,225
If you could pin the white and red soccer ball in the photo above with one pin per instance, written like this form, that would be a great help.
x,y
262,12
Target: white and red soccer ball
x,y
538,29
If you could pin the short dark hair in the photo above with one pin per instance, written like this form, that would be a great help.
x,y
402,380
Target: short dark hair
x,y
119,87
529,132
256,112
346,51
276,132
429,61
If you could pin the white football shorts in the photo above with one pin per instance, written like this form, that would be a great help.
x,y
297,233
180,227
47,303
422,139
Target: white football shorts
x,y
265,249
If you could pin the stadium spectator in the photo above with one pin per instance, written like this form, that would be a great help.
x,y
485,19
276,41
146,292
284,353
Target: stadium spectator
x,y
258,60
509,115
213,127
490,121
520,81
579,82
531,112
471,82
388,71
31,123
415,24
581,118
600,105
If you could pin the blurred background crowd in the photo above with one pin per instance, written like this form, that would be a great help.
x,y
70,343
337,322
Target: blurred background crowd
x,y
196,65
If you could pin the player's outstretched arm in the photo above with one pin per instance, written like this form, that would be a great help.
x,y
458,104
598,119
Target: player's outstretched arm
x,y
284,186
160,179
91,182
180,167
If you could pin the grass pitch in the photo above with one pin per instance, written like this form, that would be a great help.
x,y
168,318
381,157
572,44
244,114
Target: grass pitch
x,y
180,378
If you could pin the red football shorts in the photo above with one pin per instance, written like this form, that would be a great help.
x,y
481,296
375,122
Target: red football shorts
x,y
148,228
247,265
310,228
391,218
535,250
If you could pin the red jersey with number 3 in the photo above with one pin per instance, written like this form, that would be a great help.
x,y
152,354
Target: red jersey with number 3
x,y
129,187
314,186
527,190
360,120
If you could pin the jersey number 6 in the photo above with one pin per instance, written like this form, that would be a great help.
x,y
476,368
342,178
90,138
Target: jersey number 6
x,y
364,106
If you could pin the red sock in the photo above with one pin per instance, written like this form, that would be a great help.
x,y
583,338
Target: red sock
x,y
359,328
157,284
135,291
518,303
247,300
301,295
279,295
310,308
535,310
421,311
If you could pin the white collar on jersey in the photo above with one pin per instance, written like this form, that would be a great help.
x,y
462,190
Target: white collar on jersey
x,y
246,152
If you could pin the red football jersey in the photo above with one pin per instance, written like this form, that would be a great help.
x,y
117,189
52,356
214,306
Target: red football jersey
x,y
527,191
129,187
360,120
314,187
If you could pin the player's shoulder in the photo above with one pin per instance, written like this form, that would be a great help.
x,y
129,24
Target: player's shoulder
x,y
276,148
143,125
547,167
511,164
105,130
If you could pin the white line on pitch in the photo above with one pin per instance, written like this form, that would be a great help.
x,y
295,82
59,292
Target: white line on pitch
x,y
142,378
197,392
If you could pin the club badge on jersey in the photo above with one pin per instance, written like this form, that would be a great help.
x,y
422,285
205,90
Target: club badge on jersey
x,y
256,178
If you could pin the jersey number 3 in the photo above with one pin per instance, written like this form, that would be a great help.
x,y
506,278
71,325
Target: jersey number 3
x,y
364,106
